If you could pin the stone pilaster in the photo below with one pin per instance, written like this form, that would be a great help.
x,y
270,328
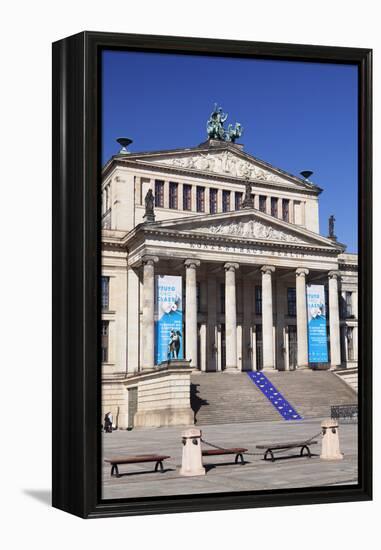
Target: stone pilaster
x,y
148,325
267,317
334,318
191,312
230,316
301,317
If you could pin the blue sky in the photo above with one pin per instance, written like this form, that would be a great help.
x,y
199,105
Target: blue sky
x,y
297,116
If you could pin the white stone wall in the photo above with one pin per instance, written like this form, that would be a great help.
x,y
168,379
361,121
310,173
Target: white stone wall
x,y
160,393
130,185
115,400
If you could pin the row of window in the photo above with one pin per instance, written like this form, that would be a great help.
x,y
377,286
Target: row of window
x,y
201,206
346,300
349,332
291,299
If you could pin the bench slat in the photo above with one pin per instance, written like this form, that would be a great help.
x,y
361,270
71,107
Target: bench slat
x,y
135,459
216,452
285,445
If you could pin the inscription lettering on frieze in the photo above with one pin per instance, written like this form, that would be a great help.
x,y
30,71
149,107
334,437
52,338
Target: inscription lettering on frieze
x,y
245,250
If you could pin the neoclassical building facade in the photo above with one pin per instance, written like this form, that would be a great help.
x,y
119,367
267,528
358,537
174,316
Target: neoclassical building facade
x,y
245,237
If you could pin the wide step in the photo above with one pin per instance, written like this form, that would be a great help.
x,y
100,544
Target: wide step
x,y
221,398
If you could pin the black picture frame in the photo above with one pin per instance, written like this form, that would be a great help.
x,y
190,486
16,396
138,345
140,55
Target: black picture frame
x,y
76,274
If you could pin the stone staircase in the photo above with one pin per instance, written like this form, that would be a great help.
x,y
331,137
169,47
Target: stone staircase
x,y
221,398
313,392
350,376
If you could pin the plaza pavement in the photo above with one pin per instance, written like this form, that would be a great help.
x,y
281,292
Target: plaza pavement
x,y
139,480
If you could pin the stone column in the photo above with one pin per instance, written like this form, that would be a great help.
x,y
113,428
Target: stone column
x,y
301,317
180,198
246,350
148,323
334,319
191,312
212,325
230,317
267,317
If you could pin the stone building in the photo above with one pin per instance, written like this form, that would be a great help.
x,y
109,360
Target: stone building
x,y
245,237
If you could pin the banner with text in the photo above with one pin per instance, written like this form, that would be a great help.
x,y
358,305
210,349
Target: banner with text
x,y
317,325
168,318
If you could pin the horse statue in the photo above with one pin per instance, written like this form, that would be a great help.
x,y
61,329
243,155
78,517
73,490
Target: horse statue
x,y
234,133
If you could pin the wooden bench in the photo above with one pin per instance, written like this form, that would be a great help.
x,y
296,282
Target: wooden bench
x,y
238,451
115,461
270,447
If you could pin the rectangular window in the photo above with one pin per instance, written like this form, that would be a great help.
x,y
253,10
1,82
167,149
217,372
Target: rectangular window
x,y
105,292
225,201
222,297
104,344
258,300
291,302
286,210
213,201
350,343
274,207
348,304
173,195
200,196
238,200
187,197
262,203
159,193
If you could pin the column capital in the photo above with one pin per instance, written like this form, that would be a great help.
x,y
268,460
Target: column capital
x,y
267,269
192,263
302,272
335,274
149,260
229,266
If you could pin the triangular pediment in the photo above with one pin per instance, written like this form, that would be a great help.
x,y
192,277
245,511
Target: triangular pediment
x,y
246,225
229,161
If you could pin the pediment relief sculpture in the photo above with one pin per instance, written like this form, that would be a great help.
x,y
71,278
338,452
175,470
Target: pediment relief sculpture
x,y
250,229
222,163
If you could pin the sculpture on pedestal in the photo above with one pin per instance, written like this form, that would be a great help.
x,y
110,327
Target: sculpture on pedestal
x,y
215,126
149,201
331,227
248,201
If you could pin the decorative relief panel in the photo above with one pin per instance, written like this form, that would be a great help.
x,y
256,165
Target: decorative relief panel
x,y
222,163
250,229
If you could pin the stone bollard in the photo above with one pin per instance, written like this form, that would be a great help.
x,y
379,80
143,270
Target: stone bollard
x,y
330,447
192,458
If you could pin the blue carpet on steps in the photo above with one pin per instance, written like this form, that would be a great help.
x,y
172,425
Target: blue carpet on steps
x,y
274,396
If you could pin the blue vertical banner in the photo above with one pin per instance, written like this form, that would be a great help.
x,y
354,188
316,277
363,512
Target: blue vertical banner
x,y
317,324
168,318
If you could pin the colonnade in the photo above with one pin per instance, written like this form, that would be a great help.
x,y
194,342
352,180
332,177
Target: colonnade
x,y
191,335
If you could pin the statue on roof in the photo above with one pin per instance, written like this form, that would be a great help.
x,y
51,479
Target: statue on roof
x,y
215,126
331,227
234,133
149,201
